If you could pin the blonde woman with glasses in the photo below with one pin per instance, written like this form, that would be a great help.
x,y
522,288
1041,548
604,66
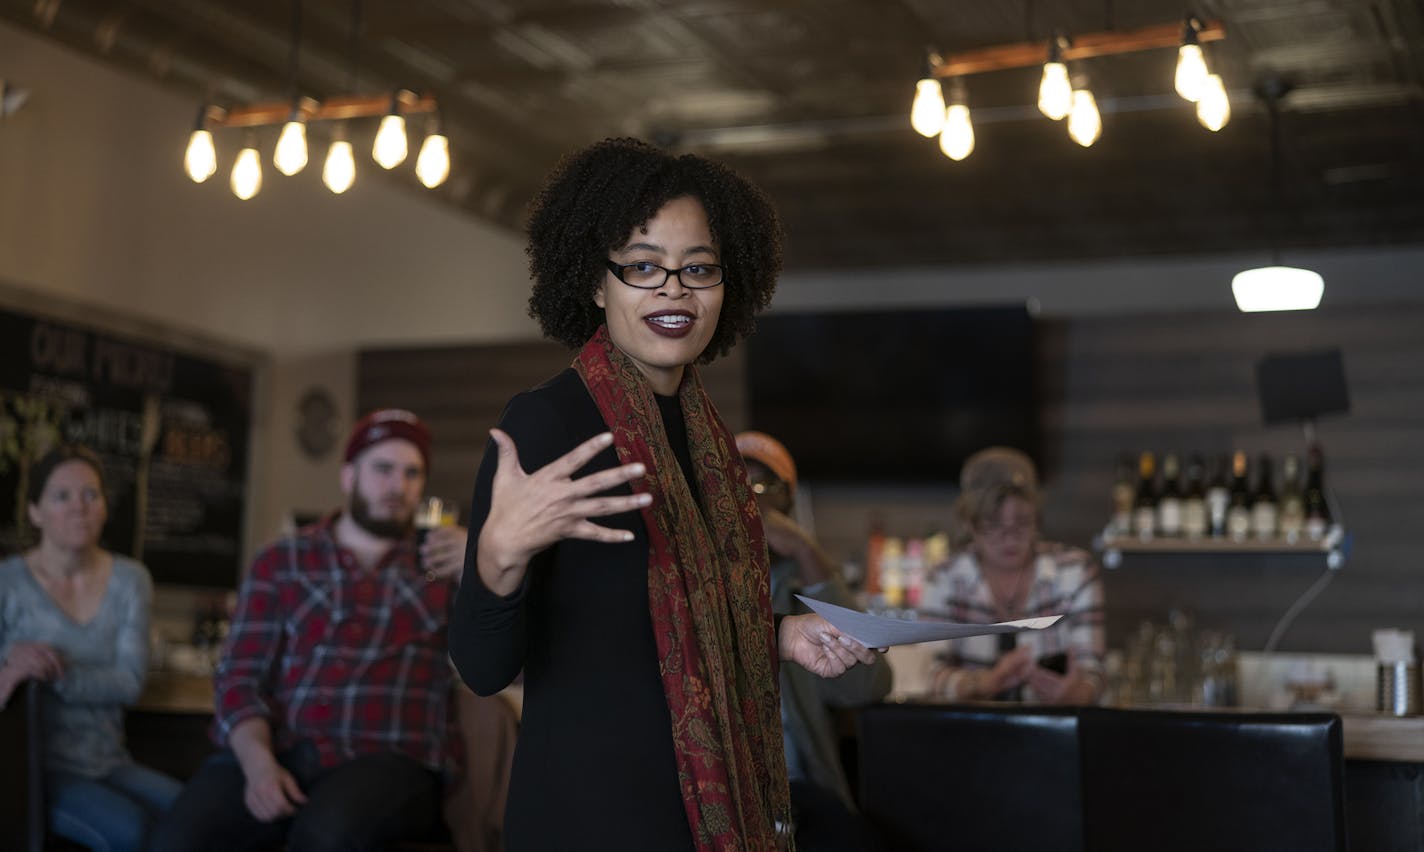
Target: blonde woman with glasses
x,y
1002,570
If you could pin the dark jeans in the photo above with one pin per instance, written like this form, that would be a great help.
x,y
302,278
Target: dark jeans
x,y
362,804
824,823
114,813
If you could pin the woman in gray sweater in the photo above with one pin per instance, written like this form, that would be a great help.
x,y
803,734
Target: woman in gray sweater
x,y
75,617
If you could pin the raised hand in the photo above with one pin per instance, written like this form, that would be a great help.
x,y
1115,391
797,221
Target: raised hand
x,y
817,646
531,511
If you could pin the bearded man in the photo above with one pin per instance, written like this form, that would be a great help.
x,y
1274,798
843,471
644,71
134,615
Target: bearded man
x,y
333,712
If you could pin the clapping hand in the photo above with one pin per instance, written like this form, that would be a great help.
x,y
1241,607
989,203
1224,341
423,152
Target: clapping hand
x,y
813,643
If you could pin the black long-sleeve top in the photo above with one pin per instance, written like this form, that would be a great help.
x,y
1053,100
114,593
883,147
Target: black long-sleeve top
x,y
594,766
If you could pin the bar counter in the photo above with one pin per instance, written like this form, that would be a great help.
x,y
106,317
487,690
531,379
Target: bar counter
x,y
1379,737
1367,736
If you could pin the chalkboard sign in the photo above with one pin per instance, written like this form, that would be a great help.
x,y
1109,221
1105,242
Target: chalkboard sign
x,y
171,428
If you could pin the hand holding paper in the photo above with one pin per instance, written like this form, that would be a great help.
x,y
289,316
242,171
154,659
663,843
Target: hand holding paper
x,y
874,631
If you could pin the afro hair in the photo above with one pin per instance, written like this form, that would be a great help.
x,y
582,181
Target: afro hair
x,y
599,195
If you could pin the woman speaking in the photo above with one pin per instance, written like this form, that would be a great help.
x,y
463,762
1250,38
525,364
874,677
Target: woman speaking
x,y
617,554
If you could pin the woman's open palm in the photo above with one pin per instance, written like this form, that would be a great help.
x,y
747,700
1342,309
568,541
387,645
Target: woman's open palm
x,y
531,511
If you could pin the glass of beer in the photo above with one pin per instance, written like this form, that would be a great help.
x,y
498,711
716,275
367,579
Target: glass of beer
x,y
432,513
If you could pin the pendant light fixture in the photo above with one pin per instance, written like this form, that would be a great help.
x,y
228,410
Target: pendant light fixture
x,y
1276,287
1085,124
391,146
1214,107
1191,63
432,164
296,113
200,160
1055,91
956,139
339,170
927,112
246,180
291,154
1062,95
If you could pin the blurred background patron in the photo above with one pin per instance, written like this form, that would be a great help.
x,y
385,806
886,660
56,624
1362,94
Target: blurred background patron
x,y
1001,570
75,617
821,800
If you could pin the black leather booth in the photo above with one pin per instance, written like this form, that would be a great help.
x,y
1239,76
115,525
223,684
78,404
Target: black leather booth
x,y
1007,778
1252,782
1001,778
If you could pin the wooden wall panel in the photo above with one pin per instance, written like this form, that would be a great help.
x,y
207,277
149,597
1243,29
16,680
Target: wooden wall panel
x,y
460,392
1187,383
1109,385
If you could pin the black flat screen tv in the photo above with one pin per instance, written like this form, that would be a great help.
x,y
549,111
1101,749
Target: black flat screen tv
x,y
894,396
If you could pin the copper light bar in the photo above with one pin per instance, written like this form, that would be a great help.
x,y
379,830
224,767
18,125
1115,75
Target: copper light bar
x,y
1086,46
341,106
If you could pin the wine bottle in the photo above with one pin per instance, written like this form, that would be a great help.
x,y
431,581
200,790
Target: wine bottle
x,y
1264,507
1194,517
1238,511
1144,508
1218,498
1292,513
1169,501
1317,510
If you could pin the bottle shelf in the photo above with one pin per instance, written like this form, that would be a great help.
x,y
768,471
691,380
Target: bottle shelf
x,y
1115,548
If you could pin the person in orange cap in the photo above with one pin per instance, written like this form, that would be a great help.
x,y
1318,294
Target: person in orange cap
x,y
824,812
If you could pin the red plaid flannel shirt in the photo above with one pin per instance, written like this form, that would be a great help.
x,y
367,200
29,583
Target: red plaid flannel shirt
x,y
355,661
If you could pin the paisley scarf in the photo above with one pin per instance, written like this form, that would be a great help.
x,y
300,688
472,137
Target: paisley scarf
x,y
709,597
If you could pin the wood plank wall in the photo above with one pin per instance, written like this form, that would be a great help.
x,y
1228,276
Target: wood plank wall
x,y
1187,383
1109,385
460,391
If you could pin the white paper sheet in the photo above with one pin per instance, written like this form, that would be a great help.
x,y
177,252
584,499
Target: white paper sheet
x,y
876,631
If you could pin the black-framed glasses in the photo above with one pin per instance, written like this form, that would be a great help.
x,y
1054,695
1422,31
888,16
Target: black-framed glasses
x,y
1019,528
646,275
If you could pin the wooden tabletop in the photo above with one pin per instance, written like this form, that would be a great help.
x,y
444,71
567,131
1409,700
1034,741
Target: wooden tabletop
x,y
1380,737
1367,736
175,692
